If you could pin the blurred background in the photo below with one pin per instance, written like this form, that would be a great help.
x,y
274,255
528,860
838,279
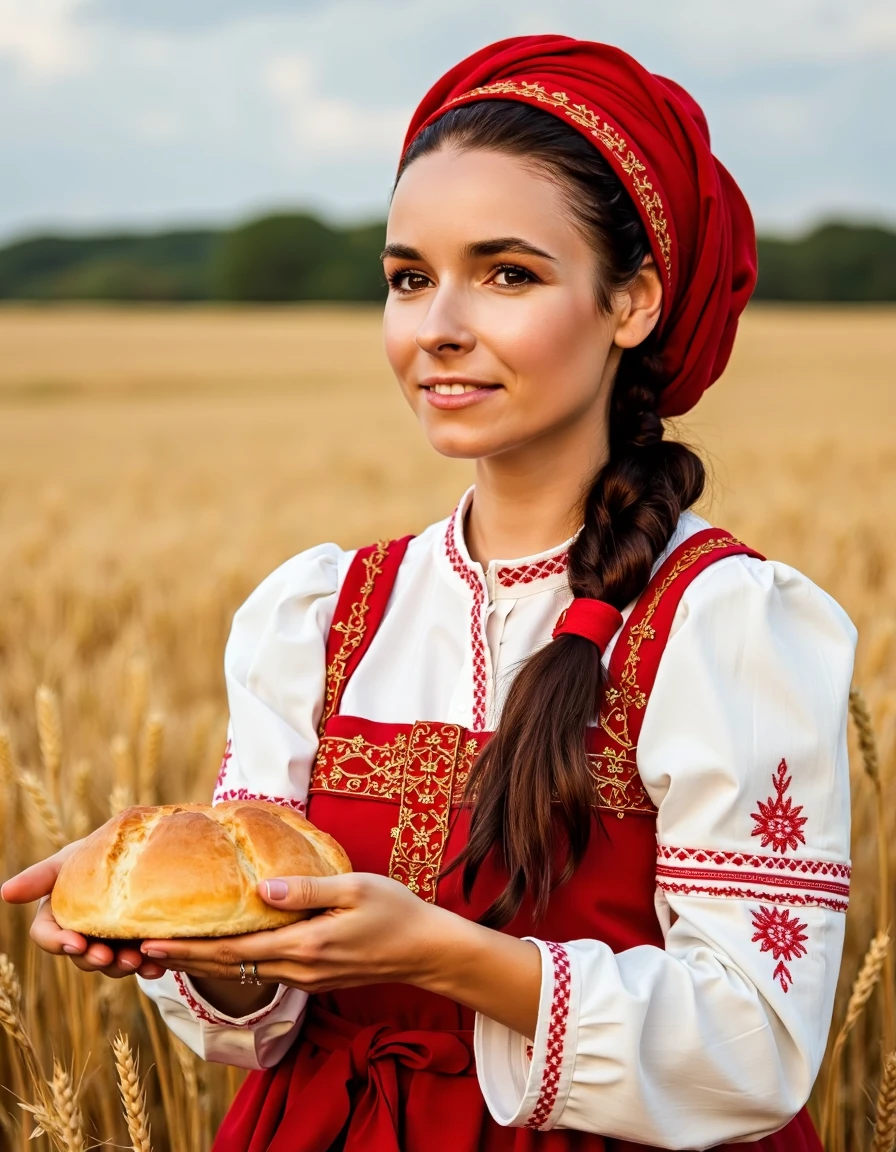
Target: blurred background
x,y
193,388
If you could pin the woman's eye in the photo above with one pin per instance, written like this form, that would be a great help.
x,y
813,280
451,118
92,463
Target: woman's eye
x,y
417,280
515,277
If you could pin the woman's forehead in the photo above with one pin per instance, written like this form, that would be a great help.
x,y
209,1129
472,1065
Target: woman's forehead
x,y
461,198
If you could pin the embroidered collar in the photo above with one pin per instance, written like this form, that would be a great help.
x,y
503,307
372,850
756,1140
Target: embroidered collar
x,y
504,578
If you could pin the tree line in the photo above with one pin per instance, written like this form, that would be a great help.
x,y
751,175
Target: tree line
x,y
297,256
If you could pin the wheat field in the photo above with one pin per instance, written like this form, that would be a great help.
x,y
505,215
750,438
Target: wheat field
x,y
155,464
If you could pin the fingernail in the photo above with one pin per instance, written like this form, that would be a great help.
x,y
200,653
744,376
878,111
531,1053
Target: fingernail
x,y
156,955
277,889
71,949
127,964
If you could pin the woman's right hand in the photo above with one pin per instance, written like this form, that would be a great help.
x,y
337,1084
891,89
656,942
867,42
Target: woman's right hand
x,y
36,883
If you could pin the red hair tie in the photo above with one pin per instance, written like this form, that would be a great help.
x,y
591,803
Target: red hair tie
x,y
594,620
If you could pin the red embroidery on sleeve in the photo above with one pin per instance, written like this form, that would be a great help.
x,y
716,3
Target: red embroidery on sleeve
x,y
781,934
550,1077
222,771
777,821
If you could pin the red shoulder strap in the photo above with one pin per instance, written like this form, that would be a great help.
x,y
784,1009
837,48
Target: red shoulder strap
x,y
360,609
636,655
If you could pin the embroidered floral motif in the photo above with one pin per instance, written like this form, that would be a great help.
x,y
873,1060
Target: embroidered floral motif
x,y
357,767
244,794
778,822
352,631
427,786
222,771
477,638
553,1060
589,118
781,934
360,768
539,570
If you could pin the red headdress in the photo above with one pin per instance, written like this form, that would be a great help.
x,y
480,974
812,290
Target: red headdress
x,y
656,138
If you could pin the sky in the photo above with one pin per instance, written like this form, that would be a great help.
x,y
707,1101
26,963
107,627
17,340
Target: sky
x,y
155,113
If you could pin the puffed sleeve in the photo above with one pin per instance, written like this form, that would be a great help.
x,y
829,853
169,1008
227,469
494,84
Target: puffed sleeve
x,y
274,668
718,1036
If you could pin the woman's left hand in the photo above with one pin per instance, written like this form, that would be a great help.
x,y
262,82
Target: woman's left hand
x,y
371,930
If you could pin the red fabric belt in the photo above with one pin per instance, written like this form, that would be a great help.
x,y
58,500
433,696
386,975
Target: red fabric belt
x,y
359,1081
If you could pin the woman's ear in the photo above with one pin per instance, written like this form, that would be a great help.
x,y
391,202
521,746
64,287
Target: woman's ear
x,y
638,307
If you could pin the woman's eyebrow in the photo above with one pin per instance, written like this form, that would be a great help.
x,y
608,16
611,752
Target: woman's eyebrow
x,y
477,248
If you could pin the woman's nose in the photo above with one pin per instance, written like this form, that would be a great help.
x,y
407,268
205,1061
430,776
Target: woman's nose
x,y
445,327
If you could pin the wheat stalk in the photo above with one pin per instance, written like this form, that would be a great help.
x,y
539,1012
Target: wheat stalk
x,y
187,1062
44,1110
884,1139
136,695
863,986
132,1095
68,1109
150,756
7,772
49,733
861,717
80,822
123,761
43,804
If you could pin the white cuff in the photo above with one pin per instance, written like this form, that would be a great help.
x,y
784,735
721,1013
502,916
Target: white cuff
x,y
255,1041
526,1084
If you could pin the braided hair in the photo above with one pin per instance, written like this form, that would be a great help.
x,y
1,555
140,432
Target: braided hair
x,y
536,762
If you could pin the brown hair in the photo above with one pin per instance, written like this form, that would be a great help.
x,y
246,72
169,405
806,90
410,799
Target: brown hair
x,y
536,762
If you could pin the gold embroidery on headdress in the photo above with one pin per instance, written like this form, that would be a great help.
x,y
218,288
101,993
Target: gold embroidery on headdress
x,y
588,118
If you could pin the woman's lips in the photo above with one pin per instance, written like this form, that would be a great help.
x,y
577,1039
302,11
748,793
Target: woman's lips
x,y
463,399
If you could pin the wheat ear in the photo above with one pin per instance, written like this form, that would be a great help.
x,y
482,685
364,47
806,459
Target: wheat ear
x,y
884,1139
44,1110
863,986
68,1109
132,1095
43,804
49,733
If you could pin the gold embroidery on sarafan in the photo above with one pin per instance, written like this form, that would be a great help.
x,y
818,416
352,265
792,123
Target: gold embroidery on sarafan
x,y
352,631
588,118
425,806
616,764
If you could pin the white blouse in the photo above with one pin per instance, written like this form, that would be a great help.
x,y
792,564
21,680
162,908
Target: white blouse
x,y
719,1035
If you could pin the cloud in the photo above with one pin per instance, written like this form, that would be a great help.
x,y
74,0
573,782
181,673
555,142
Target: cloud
x,y
40,37
329,126
188,16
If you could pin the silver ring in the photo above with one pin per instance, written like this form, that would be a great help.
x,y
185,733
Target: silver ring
x,y
255,973
243,974
249,977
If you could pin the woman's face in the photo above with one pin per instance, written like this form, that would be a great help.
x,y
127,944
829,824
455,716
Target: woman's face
x,y
491,324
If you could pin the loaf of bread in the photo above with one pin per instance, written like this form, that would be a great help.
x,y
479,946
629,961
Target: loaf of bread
x,y
189,870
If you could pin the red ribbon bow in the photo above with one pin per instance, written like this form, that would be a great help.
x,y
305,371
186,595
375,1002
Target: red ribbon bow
x,y
359,1083
594,620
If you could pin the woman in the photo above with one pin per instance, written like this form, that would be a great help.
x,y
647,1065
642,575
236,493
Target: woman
x,y
596,798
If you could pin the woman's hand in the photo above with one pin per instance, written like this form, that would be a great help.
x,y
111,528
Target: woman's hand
x,y
373,930
36,883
